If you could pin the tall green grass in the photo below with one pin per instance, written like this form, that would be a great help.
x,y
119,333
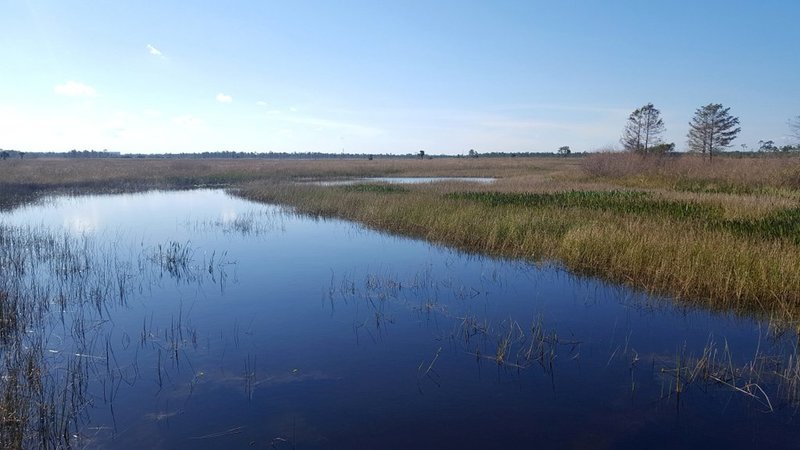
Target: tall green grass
x,y
623,202
782,224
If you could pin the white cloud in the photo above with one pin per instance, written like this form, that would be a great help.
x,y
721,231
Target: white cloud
x,y
261,103
154,51
222,98
74,89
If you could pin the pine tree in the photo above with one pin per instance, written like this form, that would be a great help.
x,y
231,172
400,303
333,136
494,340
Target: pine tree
x,y
712,129
643,130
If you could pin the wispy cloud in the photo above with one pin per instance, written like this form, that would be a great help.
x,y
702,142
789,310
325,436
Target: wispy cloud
x,y
222,98
261,103
75,89
154,51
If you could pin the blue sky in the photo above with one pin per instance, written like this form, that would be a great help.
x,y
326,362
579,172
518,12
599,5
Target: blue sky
x,y
386,77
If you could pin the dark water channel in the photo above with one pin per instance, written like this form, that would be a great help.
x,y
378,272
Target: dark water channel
x,y
199,320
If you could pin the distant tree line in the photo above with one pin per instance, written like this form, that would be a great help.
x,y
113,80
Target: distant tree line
x,y
227,154
92,154
562,151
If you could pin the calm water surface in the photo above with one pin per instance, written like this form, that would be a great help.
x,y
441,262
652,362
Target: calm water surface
x,y
405,180
245,325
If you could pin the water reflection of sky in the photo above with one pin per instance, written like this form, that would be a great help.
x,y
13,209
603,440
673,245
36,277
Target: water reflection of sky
x,y
228,215
405,180
153,213
77,223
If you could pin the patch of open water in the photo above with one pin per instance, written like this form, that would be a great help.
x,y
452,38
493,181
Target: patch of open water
x,y
404,180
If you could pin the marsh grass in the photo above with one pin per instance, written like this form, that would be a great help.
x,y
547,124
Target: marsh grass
x,y
518,348
174,258
782,223
48,280
770,380
623,202
57,294
732,175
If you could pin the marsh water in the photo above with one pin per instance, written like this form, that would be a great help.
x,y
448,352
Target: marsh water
x,y
405,180
196,319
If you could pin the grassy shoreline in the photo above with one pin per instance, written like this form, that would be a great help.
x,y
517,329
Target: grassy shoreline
x,y
731,242
717,269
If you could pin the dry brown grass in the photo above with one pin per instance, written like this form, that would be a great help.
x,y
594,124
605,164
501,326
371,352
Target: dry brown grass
x,y
24,180
694,171
73,172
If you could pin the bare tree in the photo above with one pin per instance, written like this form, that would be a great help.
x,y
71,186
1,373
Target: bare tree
x,y
643,130
712,129
794,125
